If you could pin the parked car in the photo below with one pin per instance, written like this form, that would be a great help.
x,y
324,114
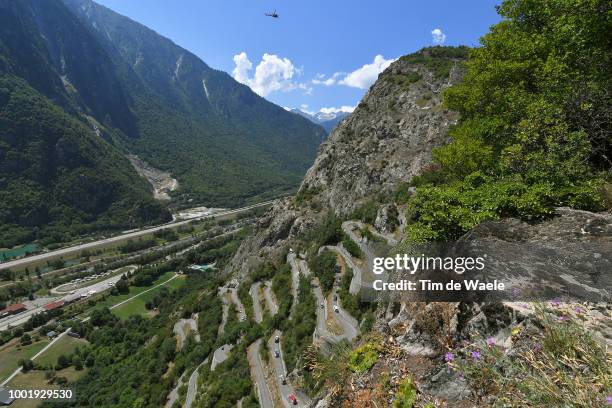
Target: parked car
x,y
293,399
276,339
283,379
336,309
276,354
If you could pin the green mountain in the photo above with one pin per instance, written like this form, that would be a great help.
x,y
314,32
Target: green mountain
x,y
224,143
83,86
58,178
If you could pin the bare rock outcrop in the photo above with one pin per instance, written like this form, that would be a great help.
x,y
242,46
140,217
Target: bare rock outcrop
x,y
387,140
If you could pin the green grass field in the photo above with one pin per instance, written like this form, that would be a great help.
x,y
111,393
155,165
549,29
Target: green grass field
x,y
137,305
66,346
10,354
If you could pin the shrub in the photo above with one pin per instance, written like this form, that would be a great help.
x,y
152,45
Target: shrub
x,y
406,395
367,212
351,246
363,358
323,266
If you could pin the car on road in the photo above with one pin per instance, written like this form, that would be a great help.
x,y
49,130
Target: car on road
x,y
283,379
276,353
276,339
336,309
293,399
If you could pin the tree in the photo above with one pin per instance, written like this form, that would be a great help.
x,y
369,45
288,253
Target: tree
x,y
6,274
25,339
62,362
122,286
77,363
26,365
535,121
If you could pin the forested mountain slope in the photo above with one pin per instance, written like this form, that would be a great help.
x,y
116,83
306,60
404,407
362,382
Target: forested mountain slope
x,y
58,178
223,142
133,91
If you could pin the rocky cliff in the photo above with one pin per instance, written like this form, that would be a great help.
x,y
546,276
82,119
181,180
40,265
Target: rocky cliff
x,y
387,140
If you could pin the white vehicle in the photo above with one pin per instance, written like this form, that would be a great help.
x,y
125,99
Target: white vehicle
x,y
336,309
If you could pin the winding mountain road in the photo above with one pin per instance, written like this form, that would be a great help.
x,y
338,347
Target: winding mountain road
x,y
280,369
220,355
181,332
192,385
295,275
258,375
239,306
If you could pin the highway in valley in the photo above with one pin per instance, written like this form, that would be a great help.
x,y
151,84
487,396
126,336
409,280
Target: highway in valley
x,y
65,252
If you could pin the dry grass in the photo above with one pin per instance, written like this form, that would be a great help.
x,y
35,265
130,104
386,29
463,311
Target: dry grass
x,y
436,319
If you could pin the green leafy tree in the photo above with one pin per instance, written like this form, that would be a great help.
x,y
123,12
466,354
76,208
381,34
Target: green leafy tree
x,y
534,128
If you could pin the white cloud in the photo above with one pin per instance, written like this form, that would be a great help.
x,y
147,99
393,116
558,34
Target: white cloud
x,y
304,108
437,36
346,109
321,80
365,76
271,74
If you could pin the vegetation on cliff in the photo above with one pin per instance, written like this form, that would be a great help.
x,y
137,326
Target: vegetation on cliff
x,y
534,128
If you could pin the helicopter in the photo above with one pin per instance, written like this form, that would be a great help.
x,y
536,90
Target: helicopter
x,y
273,14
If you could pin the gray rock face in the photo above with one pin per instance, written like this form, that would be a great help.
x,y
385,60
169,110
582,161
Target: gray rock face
x,y
386,218
387,140
568,256
273,228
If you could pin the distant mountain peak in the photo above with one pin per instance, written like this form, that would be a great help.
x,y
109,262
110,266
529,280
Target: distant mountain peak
x,y
328,118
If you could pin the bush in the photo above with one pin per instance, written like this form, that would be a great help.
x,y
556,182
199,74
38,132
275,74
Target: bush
x,y
363,358
351,246
367,212
533,133
406,395
324,267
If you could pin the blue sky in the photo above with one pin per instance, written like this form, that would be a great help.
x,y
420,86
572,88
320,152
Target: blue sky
x,y
311,41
